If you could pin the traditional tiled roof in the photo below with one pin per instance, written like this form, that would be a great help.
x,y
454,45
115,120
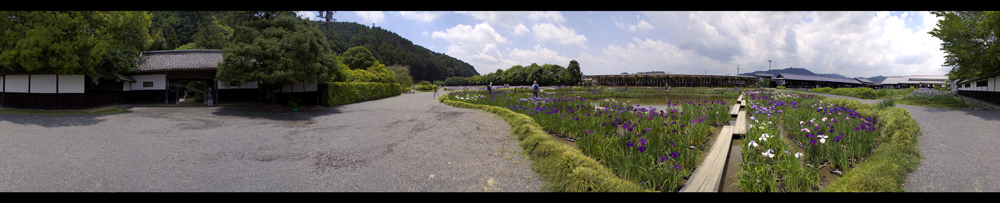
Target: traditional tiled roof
x,y
179,59
787,76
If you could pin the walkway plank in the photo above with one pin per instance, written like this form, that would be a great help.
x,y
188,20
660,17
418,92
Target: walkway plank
x,y
708,177
741,123
734,110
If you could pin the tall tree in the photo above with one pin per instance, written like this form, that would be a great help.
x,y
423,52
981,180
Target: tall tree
x,y
970,42
358,57
72,42
574,71
276,48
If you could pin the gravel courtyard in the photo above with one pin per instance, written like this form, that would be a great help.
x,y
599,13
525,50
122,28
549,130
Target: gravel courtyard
x,y
407,143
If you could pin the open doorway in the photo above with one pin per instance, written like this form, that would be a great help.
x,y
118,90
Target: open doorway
x,y
189,92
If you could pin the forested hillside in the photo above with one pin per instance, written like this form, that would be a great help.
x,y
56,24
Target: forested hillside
x,y
182,30
391,49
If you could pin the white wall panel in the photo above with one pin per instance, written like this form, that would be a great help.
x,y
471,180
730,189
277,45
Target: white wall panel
x,y
43,84
297,87
126,86
1,83
159,82
245,85
71,84
286,88
312,87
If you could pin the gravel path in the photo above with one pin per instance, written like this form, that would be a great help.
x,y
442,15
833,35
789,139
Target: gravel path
x,y
959,149
407,143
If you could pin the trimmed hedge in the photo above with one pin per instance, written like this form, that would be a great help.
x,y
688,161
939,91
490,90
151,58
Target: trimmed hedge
x,y
340,93
563,168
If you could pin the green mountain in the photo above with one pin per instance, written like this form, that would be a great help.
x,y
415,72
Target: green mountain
x,y
391,49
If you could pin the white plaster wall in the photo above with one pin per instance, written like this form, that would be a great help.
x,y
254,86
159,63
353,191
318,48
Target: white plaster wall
x,y
126,86
245,85
286,88
16,83
159,82
43,84
1,83
71,84
312,87
297,87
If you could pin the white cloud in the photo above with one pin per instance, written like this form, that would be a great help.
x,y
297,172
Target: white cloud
x,y
520,29
551,16
371,16
311,15
426,16
513,18
562,35
539,55
643,25
475,44
424,33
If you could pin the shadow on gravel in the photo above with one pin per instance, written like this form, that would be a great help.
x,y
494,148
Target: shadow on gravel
x,y
54,121
274,112
982,114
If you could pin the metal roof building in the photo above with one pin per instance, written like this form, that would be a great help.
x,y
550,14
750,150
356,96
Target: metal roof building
x,y
811,81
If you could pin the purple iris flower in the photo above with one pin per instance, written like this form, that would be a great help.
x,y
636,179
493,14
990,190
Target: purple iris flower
x,y
642,141
813,141
672,142
664,158
674,154
630,144
590,131
641,149
679,167
838,138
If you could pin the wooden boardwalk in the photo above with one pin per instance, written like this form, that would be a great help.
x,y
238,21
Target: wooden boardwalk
x,y
708,177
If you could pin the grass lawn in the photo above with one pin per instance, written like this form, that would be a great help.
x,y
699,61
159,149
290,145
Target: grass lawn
x,y
944,104
61,113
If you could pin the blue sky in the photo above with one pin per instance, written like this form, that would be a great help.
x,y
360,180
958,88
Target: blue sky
x,y
853,44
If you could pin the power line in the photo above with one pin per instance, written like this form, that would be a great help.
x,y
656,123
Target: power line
x,y
741,29
727,32
746,32
754,33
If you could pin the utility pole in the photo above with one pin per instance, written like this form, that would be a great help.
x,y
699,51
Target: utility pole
x,y
768,66
737,69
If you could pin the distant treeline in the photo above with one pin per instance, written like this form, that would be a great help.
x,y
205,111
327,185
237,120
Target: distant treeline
x,y
548,74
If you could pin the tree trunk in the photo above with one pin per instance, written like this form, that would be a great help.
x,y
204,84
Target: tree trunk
x,y
268,92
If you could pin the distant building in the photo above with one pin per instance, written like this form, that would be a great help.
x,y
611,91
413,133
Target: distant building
x,y
918,81
982,89
812,81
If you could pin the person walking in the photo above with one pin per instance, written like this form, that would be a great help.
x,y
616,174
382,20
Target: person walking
x,y
435,92
535,88
490,87
208,96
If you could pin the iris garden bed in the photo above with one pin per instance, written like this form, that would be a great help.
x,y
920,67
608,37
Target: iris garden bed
x,y
649,147
802,143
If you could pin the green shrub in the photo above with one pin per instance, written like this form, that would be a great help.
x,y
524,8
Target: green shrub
x,y
425,82
428,87
340,93
781,87
439,82
889,102
821,89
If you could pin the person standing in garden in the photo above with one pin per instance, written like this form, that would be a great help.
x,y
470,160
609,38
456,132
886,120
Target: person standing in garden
x,y
435,92
490,87
535,88
208,96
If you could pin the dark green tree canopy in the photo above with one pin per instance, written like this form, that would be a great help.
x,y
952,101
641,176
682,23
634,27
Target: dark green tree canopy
x,y
970,42
72,42
276,48
358,58
546,74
